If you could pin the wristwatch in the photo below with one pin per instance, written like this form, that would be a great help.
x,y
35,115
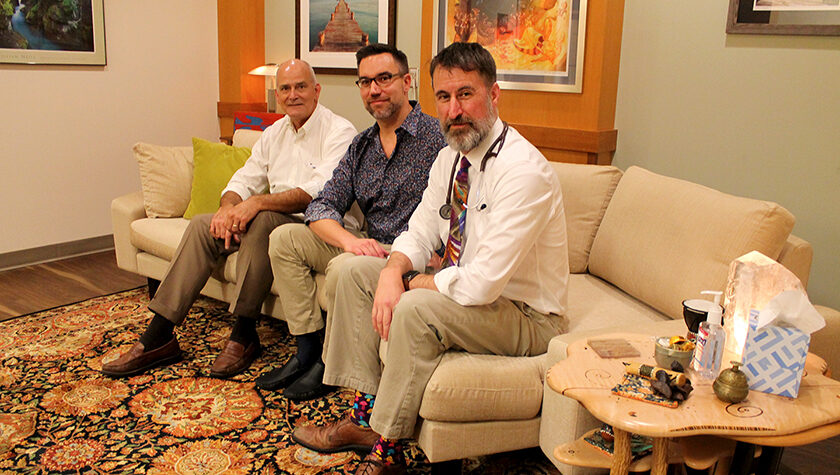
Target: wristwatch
x,y
408,276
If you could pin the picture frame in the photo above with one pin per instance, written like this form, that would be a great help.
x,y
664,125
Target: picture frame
x,y
537,47
744,18
82,44
375,18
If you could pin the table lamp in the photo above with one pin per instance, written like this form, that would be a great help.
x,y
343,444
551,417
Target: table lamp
x,y
754,279
269,70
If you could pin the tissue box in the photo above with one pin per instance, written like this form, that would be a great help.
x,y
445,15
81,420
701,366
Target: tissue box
x,y
774,358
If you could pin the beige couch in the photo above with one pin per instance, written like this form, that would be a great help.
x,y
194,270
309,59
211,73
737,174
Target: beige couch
x,y
639,244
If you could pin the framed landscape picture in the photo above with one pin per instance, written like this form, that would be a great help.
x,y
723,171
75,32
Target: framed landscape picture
x,y
329,32
49,32
538,45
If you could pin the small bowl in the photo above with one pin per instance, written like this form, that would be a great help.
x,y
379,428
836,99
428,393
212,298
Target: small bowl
x,y
665,355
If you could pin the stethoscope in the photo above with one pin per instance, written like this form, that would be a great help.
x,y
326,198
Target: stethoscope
x,y
446,208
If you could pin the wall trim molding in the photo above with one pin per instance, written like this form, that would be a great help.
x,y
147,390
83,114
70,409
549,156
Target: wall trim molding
x,y
54,252
596,147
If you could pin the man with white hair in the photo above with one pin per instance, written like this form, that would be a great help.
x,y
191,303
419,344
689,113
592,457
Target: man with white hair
x,y
288,166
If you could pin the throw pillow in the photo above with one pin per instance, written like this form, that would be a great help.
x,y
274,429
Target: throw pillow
x,y
165,177
214,164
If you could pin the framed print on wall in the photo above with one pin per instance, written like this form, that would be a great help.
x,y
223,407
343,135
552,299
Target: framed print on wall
x,y
784,17
329,32
39,32
538,45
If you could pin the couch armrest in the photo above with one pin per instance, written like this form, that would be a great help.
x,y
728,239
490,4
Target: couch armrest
x,y
796,256
824,341
125,210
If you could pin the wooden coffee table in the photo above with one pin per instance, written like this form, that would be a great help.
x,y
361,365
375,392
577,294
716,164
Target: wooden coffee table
x,y
761,418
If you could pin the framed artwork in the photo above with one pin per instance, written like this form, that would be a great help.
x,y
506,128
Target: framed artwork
x,y
784,17
538,45
329,32
33,32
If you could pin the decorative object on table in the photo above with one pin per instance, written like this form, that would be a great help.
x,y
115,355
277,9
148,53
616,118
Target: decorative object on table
x,y
695,311
53,34
537,45
768,325
328,34
604,441
710,342
269,71
254,120
613,348
731,385
652,384
637,387
670,349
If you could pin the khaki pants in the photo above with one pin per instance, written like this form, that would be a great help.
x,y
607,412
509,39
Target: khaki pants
x,y
296,254
425,324
199,253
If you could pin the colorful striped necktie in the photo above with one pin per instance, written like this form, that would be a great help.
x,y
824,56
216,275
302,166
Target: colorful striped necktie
x,y
458,216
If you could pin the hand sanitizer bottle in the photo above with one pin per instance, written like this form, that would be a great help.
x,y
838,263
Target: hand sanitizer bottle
x,y
710,340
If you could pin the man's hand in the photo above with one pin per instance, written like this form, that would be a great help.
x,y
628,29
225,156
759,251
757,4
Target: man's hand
x,y
242,214
220,225
388,293
365,247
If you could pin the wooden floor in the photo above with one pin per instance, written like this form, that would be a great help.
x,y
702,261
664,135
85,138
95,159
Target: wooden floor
x,y
42,286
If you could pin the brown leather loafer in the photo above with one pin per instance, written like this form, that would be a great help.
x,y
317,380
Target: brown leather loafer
x,y
339,436
371,466
234,359
137,360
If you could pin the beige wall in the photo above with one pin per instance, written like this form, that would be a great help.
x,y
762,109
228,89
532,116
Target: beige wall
x,y
67,132
755,116
339,92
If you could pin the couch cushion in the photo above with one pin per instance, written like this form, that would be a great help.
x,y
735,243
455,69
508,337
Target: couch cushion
x,y
214,164
158,236
595,304
587,190
470,387
246,138
165,177
663,240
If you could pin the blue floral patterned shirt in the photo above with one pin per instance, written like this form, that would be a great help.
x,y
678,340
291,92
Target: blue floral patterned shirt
x,y
387,189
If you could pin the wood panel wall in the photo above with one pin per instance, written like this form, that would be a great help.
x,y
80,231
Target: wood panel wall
x,y
241,49
576,128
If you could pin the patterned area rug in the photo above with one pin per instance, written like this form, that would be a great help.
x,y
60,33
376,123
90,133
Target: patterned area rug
x,y
59,414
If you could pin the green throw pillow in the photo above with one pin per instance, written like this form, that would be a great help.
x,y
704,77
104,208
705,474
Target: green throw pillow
x,y
213,165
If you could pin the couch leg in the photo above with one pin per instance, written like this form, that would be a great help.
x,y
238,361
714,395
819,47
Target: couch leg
x,y
450,467
153,286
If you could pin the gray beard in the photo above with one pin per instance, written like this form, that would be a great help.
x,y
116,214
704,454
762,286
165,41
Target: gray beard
x,y
469,138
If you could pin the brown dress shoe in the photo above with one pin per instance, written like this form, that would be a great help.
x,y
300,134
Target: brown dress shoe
x,y
339,436
372,466
137,360
234,359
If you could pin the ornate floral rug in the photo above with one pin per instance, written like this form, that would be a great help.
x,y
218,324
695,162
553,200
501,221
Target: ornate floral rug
x,y
59,414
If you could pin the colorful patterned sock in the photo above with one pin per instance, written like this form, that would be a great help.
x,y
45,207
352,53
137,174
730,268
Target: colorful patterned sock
x,y
362,407
388,451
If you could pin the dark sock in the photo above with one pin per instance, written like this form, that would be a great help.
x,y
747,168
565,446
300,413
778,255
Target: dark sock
x,y
389,451
244,331
362,408
158,333
308,348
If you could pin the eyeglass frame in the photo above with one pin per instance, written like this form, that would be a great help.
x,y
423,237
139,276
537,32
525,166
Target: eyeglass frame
x,y
379,79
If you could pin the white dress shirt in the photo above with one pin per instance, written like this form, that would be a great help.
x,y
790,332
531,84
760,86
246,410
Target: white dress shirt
x,y
515,243
284,158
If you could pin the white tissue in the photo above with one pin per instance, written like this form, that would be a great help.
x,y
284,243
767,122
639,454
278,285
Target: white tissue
x,y
791,309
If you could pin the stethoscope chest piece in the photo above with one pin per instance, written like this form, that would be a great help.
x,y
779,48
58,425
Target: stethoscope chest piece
x,y
446,211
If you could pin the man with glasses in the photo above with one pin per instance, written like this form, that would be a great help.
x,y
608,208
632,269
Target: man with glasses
x,y
288,165
385,171
502,289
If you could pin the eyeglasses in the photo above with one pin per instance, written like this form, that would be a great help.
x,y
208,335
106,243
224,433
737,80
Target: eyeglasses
x,y
381,80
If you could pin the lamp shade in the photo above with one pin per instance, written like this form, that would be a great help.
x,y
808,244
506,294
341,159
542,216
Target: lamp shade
x,y
269,71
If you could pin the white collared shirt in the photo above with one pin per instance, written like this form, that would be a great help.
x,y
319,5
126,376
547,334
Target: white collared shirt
x,y
284,158
515,243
